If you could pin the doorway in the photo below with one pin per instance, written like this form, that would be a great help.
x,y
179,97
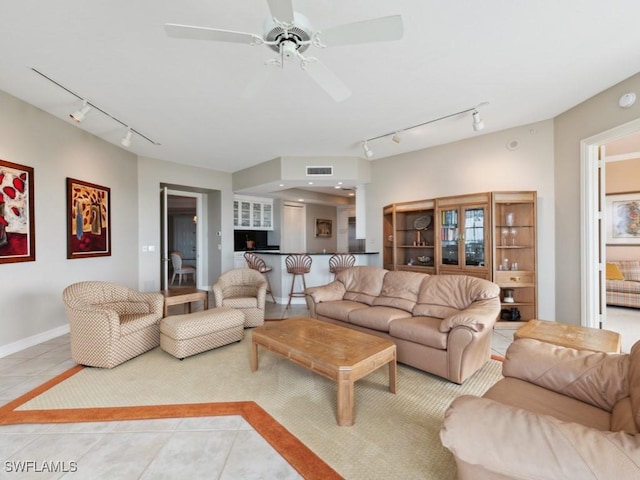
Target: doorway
x,y
593,217
182,220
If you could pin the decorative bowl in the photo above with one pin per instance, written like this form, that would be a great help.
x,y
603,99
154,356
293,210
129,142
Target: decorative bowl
x,y
423,259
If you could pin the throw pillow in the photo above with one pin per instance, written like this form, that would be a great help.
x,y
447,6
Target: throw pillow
x,y
613,272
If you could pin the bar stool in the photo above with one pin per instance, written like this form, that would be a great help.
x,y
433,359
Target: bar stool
x,y
297,265
341,261
254,262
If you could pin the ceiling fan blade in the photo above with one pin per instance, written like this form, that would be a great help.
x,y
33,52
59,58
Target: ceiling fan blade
x,y
381,29
282,10
326,79
203,33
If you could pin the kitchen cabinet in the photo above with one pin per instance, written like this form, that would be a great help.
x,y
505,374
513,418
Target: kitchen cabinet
x,y
252,213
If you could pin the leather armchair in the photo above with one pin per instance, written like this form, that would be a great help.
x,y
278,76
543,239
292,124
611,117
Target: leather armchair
x,y
559,413
111,324
243,289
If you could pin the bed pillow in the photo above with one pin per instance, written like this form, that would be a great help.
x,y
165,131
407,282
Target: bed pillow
x,y
613,272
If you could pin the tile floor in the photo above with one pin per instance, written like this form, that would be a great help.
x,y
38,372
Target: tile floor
x,y
211,448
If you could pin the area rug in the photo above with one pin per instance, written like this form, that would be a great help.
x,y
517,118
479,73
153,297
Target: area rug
x,y
394,436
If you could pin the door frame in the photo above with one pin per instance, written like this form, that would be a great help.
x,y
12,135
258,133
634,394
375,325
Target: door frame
x,y
592,238
200,228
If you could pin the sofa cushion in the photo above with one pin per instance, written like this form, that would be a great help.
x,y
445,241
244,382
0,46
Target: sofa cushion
x,y
623,286
376,318
630,269
613,272
622,417
422,330
634,381
400,290
444,295
525,395
362,283
339,309
596,378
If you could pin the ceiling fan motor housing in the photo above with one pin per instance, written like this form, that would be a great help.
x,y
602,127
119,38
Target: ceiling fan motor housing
x,y
288,39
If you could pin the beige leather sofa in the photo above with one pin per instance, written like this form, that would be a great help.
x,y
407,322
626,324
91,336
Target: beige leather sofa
x,y
559,413
441,324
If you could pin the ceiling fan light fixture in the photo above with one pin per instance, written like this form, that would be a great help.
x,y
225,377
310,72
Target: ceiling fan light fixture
x,y
79,115
126,140
478,123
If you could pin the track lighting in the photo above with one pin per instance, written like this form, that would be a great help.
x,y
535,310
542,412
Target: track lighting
x,y
478,123
367,151
126,140
79,115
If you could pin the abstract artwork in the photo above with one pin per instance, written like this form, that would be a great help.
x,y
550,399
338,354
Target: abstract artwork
x,y
88,219
17,233
623,219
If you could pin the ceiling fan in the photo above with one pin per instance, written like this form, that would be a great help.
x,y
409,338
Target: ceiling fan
x,y
290,34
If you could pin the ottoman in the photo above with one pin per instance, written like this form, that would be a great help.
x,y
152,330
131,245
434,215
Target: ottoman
x,y
192,333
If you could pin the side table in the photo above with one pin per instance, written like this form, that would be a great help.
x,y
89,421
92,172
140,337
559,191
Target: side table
x,y
185,295
572,336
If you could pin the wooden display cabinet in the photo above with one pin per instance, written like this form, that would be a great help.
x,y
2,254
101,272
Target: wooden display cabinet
x,y
514,252
464,237
409,242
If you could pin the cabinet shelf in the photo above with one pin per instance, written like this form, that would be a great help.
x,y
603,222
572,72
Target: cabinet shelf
x,y
416,246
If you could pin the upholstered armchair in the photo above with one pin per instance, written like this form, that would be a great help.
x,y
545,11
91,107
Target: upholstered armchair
x,y
111,324
243,289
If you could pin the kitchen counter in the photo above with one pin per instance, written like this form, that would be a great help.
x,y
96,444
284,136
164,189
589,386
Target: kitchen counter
x,y
319,274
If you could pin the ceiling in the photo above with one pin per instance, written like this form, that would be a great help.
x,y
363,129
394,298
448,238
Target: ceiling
x,y
529,60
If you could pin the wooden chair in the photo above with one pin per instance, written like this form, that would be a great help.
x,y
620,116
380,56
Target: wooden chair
x,y
341,261
297,265
254,262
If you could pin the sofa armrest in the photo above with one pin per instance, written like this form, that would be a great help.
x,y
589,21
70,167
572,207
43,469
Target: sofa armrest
x,y
599,379
327,293
519,444
480,315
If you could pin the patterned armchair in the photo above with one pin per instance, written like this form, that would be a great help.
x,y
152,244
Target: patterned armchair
x,y
111,324
243,289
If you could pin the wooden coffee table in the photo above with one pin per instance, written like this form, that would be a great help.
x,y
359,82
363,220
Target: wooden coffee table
x,y
337,353
178,296
572,336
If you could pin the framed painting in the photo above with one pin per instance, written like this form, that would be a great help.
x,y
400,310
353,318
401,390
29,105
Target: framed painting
x,y
323,227
88,219
623,219
17,231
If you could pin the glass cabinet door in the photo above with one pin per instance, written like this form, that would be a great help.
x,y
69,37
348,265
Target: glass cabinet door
x,y
245,214
267,215
449,237
257,215
474,236
236,213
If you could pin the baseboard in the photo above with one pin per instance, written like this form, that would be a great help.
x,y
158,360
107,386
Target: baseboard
x,y
33,340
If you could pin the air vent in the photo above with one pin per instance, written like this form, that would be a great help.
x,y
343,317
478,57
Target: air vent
x,y
319,171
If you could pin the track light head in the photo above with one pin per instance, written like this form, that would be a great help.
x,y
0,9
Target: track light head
x,y
126,140
367,151
79,115
396,138
478,123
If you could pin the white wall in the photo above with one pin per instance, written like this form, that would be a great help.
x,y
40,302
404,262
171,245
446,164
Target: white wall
x,y
31,292
479,164
594,116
